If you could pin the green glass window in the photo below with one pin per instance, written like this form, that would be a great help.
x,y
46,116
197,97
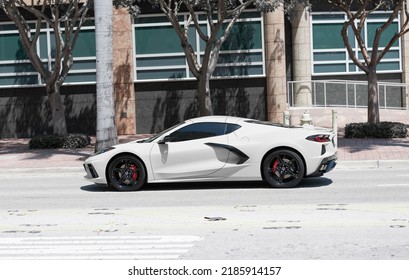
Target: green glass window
x,y
329,68
159,55
329,54
244,36
19,80
16,69
327,36
386,34
7,27
161,61
324,56
328,16
157,39
84,65
85,45
11,48
161,74
43,46
238,71
80,77
382,66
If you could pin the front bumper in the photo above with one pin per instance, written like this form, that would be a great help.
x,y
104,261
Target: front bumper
x,y
90,170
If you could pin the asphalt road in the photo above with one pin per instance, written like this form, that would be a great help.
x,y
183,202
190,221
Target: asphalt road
x,y
348,214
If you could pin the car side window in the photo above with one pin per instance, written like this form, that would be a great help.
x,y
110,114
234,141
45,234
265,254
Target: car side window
x,y
231,127
202,130
198,131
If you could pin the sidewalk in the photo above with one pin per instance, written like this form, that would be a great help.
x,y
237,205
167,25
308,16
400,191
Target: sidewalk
x,y
14,153
352,153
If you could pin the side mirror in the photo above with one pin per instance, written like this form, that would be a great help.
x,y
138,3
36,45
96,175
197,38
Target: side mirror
x,y
165,139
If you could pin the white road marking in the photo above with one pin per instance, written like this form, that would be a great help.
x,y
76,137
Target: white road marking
x,y
393,185
96,248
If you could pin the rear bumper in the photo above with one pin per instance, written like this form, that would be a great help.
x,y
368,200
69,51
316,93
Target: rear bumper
x,y
327,164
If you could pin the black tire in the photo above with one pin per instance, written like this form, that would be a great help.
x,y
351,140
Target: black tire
x,y
126,173
283,169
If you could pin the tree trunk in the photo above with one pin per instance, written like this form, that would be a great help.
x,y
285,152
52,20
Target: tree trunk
x,y
106,129
203,91
57,110
373,102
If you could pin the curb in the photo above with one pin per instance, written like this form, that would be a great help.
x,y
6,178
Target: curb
x,y
48,170
372,164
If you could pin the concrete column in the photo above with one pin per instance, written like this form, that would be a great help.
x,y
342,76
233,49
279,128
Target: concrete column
x,y
301,56
123,72
274,36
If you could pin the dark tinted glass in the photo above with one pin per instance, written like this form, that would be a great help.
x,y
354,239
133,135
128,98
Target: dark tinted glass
x,y
231,127
198,131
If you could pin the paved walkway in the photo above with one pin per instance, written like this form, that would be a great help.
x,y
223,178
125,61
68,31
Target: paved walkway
x,y
370,153
14,153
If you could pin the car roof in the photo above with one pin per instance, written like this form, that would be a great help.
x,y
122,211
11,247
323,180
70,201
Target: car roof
x,y
238,120
218,118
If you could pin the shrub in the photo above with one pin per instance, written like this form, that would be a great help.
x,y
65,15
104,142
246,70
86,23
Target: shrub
x,y
75,141
379,130
71,141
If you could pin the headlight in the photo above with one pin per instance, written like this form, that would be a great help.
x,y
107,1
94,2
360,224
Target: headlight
x,y
103,151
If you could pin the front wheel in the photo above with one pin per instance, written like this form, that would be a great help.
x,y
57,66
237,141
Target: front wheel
x,y
283,169
126,173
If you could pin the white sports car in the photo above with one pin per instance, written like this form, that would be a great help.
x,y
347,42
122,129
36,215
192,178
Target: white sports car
x,y
217,148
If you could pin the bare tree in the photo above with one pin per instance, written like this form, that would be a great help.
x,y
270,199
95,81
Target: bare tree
x,y
65,18
357,12
221,15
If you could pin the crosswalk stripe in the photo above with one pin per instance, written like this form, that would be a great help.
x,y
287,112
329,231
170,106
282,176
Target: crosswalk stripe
x,y
100,247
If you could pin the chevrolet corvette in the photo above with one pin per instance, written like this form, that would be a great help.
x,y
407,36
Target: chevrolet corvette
x,y
217,148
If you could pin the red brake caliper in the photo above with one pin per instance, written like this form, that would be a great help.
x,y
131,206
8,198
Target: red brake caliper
x,y
275,164
134,172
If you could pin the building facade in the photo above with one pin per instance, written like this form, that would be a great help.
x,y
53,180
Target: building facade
x,y
154,88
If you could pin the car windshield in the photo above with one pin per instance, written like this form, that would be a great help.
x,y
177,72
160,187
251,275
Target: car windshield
x,y
154,137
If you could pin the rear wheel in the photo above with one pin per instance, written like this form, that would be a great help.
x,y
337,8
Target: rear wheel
x,y
126,173
283,169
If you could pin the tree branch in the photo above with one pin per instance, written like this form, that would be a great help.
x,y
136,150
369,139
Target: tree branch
x,y
398,7
29,45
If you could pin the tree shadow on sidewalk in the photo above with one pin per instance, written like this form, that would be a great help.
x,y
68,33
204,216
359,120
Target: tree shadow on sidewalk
x,y
20,146
353,145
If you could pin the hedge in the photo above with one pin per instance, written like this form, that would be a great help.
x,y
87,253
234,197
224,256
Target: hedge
x,y
379,130
71,141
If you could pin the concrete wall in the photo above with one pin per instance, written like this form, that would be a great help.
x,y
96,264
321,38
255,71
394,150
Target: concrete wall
x,y
276,72
161,105
123,72
25,112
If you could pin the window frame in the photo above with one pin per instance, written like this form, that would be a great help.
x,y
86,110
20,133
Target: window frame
x,y
184,68
46,31
349,66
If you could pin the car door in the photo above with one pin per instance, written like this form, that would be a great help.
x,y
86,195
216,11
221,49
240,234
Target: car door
x,y
190,152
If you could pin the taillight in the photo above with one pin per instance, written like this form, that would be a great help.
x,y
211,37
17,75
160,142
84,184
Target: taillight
x,y
321,138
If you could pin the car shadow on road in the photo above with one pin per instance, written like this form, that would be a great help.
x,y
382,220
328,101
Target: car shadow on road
x,y
305,183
